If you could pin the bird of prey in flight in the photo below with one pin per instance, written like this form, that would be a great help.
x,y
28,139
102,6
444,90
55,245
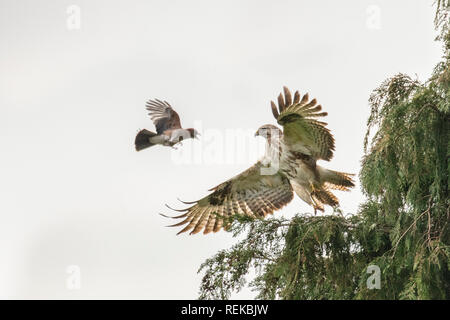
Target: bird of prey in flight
x,y
168,127
288,166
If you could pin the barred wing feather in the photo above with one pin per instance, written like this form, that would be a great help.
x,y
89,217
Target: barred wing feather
x,y
302,132
248,193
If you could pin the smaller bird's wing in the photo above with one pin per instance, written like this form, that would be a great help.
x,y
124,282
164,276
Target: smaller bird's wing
x,y
302,132
162,115
248,193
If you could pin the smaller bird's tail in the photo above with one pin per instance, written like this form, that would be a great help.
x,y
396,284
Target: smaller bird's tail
x,y
142,140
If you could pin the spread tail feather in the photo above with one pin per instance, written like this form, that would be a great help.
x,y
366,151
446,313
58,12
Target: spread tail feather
x,y
142,140
336,180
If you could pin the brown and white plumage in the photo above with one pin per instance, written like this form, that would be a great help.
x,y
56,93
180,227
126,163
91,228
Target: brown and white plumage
x,y
304,141
293,153
168,127
248,193
163,115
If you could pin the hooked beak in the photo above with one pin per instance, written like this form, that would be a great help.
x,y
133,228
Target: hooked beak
x,y
257,133
197,136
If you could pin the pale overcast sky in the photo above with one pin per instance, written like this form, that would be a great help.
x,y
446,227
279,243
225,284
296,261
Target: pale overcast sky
x,y
72,93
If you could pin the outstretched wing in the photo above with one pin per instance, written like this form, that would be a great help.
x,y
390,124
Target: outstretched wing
x,y
302,132
162,115
248,193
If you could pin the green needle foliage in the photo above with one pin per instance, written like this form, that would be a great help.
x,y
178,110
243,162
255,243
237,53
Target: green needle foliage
x,y
402,227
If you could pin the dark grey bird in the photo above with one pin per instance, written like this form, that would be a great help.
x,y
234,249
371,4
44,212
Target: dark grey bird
x,y
168,127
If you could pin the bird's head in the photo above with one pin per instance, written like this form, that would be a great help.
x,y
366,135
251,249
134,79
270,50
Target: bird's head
x,y
194,133
268,131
